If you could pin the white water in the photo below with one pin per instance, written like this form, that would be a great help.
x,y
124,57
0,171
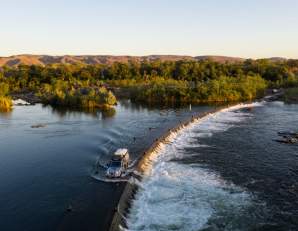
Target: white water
x,y
177,196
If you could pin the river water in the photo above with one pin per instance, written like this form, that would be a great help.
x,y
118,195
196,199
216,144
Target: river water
x,y
224,172
49,160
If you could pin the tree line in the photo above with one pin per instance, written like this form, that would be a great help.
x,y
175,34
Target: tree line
x,y
149,82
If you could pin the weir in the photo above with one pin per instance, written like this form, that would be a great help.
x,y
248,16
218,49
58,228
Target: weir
x,y
118,222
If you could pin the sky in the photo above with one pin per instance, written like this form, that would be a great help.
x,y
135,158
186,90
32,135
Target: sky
x,y
240,28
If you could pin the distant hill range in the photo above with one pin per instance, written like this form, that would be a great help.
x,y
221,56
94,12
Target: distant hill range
x,y
107,59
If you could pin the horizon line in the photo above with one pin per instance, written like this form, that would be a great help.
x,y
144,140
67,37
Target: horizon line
x,y
147,55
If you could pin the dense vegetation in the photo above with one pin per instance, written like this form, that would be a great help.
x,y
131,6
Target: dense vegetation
x,y
169,91
291,95
57,86
63,93
153,82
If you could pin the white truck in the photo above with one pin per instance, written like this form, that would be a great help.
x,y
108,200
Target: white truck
x,y
118,163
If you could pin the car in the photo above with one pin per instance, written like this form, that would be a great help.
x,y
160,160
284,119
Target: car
x,y
118,163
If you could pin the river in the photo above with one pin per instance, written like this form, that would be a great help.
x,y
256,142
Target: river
x,y
49,157
224,172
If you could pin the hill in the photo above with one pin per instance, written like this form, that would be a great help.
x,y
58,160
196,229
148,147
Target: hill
x,y
220,59
101,59
109,59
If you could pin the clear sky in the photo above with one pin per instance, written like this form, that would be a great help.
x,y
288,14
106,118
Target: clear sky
x,y
243,28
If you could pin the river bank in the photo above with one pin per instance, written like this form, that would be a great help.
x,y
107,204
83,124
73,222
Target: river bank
x,y
27,96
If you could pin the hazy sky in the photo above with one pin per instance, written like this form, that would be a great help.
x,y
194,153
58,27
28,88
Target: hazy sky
x,y
244,28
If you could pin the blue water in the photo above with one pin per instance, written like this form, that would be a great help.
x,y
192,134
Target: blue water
x,y
224,172
47,169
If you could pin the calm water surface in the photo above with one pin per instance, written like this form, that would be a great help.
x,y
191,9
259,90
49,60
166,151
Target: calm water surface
x,y
44,170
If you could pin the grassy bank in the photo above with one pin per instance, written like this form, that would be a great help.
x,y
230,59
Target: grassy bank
x,y
5,103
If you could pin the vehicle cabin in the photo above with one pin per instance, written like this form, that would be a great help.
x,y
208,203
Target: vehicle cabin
x,y
118,164
121,155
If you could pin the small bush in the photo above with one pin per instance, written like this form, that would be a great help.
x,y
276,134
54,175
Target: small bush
x,y
5,103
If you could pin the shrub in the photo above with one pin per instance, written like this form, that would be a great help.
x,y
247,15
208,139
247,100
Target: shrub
x,y
5,103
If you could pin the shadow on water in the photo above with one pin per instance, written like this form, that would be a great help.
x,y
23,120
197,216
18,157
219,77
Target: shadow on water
x,y
5,114
99,113
174,105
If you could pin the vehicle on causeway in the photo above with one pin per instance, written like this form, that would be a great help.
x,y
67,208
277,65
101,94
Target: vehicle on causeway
x,y
118,164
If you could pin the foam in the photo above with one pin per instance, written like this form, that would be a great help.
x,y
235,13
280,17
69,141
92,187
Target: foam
x,y
182,197
176,196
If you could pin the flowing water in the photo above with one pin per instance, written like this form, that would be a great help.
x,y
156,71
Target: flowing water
x,y
49,161
224,172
